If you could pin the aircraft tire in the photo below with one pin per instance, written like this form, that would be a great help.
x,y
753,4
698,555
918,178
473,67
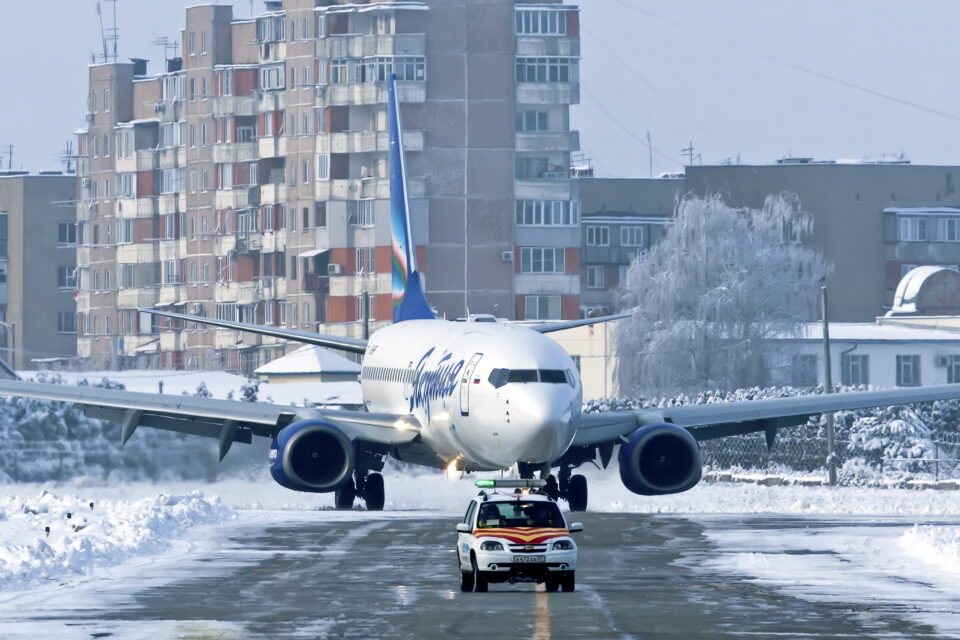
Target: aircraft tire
x,y
568,582
344,496
577,493
373,492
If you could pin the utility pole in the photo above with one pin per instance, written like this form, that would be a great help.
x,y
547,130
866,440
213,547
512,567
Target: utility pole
x,y
650,152
828,385
366,315
688,151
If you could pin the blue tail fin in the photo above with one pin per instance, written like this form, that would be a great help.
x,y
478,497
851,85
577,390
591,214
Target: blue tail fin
x,y
409,303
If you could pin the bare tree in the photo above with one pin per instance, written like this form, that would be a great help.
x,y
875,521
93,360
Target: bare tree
x,y
707,299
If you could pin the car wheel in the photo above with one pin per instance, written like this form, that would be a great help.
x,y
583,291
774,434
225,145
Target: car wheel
x,y
577,493
552,586
466,579
344,496
373,492
568,582
479,578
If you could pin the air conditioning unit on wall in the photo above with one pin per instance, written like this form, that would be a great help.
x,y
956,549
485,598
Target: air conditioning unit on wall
x,y
507,256
333,269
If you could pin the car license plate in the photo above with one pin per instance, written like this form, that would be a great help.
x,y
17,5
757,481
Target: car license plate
x,y
528,559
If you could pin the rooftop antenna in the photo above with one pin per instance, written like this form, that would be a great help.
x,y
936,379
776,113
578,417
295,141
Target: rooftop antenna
x,y
103,33
109,36
164,41
689,152
67,157
9,157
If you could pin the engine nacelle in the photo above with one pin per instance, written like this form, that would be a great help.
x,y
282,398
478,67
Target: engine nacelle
x,y
658,459
311,455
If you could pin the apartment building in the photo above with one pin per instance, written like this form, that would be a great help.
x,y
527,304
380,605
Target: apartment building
x,y
37,268
249,179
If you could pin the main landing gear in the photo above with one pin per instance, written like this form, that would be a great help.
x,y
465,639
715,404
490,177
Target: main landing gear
x,y
569,487
366,486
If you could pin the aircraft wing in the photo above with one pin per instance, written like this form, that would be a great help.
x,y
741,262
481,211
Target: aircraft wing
x,y
353,345
570,324
228,421
718,420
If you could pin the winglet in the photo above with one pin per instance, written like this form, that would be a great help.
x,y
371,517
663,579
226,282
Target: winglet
x,y
409,302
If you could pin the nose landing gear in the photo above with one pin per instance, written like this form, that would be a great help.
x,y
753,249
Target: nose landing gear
x,y
569,487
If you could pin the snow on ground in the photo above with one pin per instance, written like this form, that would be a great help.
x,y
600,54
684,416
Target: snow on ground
x,y
82,538
219,383
936,546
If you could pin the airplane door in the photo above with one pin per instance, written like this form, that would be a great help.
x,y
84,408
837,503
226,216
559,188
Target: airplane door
x,y
466,381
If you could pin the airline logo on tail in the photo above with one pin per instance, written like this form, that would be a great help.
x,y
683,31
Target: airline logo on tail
x,y
409,302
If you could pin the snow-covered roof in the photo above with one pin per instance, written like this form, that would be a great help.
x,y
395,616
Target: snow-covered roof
x,y
309,360
872,332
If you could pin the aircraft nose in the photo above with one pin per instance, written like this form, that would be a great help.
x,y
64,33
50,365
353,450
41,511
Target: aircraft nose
x,y
541,426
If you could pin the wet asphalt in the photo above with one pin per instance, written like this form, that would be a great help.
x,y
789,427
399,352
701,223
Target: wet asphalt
x,y
640,576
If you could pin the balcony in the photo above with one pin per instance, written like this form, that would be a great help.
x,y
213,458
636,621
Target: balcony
x,y
548,93
356,285
548,141
4,293
271,288
272,146
379,188
248,293
274,241
316,283
248,242
235,152
172,203
531,46
271,100
543,283
138,207
171,294
139,253
136,298
368,94
542,189
366,141
273,193
234,106
360,46
237,198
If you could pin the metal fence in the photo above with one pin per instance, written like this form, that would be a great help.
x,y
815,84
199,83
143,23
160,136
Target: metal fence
x,y
804,449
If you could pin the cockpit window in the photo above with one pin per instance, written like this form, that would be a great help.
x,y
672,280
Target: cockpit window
x,y
500,377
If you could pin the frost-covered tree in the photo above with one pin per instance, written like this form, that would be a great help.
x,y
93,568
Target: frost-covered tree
x,y
706,300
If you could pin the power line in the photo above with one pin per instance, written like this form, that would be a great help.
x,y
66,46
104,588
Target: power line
x,y
626,129
792,65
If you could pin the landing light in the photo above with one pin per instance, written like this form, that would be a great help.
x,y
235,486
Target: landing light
x,y
402,425
510,483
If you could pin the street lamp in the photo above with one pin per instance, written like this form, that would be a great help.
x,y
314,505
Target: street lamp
x,y
11,352
828,384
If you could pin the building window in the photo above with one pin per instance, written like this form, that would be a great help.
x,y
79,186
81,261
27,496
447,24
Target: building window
x,y
226,82
554,69
542,23
124,231
125,276
305,173
595,277
270,28
171,272
908,371
203,42
338,71
66,233
273,77
949,230
631,236
361,213
106,100
366,260
855,369
193,89
407,68
67,278
204,139
541,307
66,322
531,121
598,236
546,213
193,43
541,260
323,166
953,369
913,229
203,88
320,214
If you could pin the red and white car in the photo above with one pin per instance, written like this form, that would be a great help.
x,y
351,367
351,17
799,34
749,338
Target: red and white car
x,y
517,536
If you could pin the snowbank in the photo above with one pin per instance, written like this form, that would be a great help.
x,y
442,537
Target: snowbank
x,y
82,538
937,546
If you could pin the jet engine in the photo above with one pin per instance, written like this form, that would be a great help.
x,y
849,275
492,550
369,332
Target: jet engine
x,y
311,455
658,459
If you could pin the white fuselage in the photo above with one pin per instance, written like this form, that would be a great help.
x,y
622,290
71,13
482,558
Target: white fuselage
x,y
440,372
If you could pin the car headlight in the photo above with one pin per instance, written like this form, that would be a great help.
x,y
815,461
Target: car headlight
x,y
491,545
562,545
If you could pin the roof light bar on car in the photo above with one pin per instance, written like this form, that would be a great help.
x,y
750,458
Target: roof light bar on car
x,y
510,483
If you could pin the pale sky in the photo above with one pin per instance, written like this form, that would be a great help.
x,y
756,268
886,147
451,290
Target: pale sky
x,y
719,73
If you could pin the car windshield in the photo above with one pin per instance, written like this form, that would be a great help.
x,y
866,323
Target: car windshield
x,y
519,514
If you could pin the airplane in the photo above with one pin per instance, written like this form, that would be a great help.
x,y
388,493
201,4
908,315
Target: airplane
x,y
462,396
